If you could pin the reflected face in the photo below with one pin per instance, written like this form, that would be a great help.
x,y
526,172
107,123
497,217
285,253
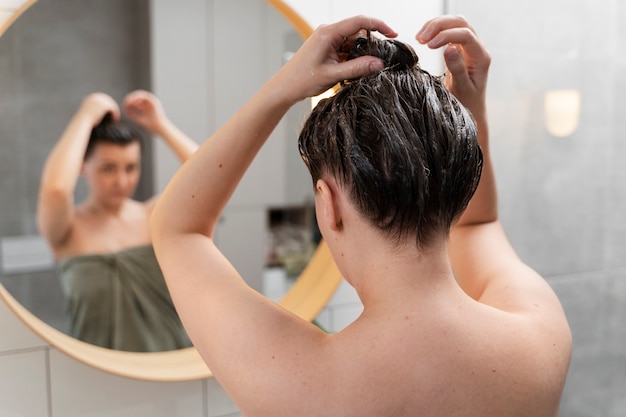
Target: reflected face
x,y
112,172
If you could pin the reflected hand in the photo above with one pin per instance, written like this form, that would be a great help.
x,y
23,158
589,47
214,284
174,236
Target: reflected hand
x,y
466,58
320,63
145,109
97,105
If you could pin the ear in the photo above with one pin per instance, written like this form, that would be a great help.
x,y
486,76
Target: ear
x,y
327,203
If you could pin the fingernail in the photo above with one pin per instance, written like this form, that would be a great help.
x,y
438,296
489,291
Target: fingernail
x,y
453,53
423,35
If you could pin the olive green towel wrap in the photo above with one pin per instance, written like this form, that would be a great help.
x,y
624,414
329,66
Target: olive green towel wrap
x,y
120,301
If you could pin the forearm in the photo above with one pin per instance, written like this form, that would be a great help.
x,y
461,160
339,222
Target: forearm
x,y
181,144
62,168
483,208
58,180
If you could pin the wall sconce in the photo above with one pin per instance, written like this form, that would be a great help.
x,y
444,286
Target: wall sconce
x,y
11,10
562,112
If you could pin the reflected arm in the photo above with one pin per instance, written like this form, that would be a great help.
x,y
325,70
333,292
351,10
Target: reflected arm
x,y
55,209
146,110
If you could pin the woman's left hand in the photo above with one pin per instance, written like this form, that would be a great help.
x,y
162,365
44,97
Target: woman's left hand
x,y
145,109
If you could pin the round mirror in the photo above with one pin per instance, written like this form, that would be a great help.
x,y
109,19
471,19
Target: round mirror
x,y
20,244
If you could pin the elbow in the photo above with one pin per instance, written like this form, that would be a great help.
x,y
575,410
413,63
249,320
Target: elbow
x,y
165,221
51,193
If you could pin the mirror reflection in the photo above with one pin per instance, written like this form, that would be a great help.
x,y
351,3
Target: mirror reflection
x,y
115,294
52,59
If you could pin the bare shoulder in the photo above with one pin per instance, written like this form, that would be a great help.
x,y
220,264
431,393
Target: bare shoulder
x,y
517,312
526,344
143,208
490,271
468,360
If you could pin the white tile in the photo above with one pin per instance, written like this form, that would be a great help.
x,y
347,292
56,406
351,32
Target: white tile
x,y
79,391
23,383
342,316
323,319
342,309
345,294
15,334
275,283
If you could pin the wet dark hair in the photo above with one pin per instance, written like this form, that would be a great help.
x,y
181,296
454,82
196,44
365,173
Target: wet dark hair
x,y
402,146
118,132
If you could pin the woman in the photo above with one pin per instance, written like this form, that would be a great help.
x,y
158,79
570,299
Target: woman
x,y
115,293
453,323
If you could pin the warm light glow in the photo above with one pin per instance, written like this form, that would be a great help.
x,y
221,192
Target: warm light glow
x,y
562,112
11,10
328,93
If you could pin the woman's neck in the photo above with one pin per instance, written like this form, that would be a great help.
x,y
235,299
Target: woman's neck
x,y
384,271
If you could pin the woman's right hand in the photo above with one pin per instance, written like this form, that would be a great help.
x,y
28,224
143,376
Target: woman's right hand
x,y
467,60
97,105
145,109
320,62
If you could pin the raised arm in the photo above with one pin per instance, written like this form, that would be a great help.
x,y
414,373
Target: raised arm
x,y
55,208
467,62
237,331
145,109
485,264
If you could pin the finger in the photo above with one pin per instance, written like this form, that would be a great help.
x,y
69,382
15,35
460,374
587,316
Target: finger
x,y
433,27
350,26
115,113
112,108
130,106
457,66
134,97
135,102
356,68
471,45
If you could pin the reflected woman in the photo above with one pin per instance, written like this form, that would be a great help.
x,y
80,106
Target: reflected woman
x,y
115,293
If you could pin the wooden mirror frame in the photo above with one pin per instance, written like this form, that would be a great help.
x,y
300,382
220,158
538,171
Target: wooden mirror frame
x,y
306,298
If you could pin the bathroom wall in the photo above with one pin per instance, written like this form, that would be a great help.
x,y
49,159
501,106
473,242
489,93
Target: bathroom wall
x,y
562,200
562,204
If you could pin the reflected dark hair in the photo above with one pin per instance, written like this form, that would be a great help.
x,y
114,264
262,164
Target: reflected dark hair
x,y
400,144
118,132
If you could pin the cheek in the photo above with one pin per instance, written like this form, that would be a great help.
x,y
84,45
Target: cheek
x,y
103,180
135,176
91,175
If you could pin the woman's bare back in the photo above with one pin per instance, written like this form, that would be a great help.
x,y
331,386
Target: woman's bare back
x,y
451,357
